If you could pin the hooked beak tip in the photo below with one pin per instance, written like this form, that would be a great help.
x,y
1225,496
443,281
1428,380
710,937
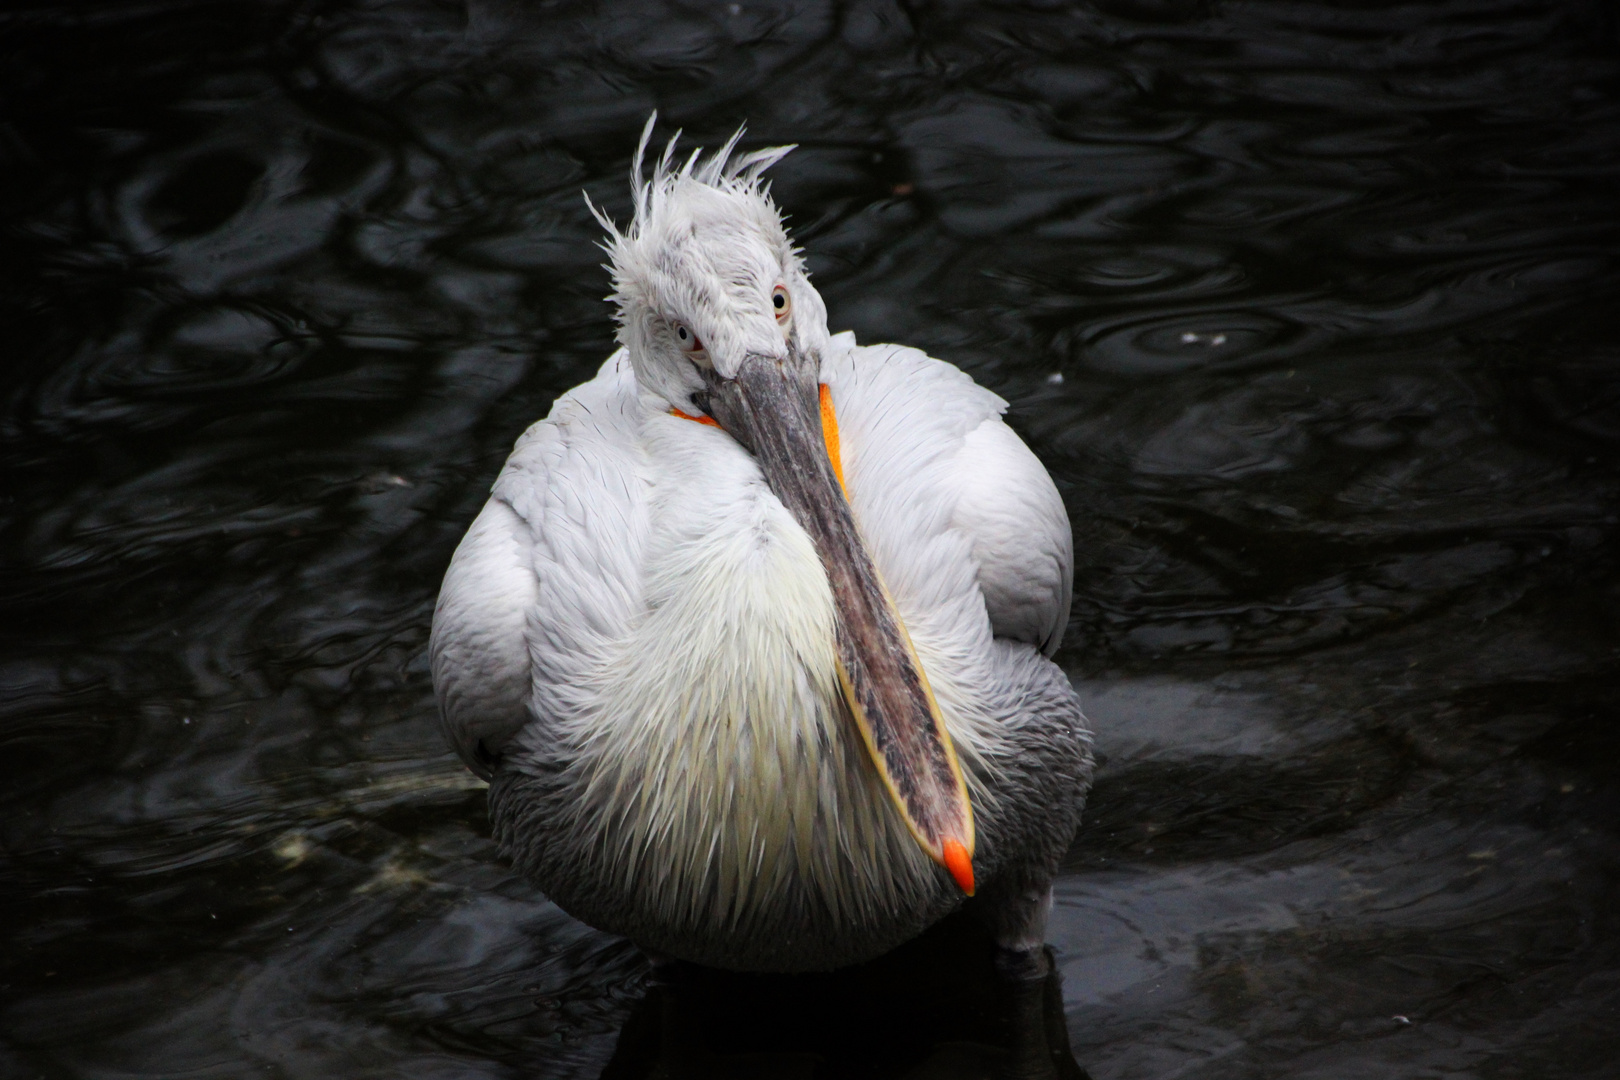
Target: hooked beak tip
x,y
960,864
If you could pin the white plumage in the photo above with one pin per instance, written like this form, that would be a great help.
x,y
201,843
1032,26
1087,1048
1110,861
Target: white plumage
x,y
635,640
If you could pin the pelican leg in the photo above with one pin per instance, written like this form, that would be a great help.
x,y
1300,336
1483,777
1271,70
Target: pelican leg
x,y
1037,1033
656,1042
1038,1036
677,1058
1017,918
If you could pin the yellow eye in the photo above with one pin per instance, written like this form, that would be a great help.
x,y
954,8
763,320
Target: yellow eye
x,y
686,338
781,302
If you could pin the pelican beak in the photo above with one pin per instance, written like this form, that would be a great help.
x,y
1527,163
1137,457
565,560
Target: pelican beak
x,y
774,409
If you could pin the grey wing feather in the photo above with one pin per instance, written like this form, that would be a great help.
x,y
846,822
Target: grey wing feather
x,y
547,574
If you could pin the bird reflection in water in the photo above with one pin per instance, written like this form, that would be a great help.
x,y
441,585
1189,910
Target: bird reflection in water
x,y
934,1009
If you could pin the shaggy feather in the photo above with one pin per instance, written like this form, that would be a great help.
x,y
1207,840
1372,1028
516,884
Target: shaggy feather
x,y
705,235
636,638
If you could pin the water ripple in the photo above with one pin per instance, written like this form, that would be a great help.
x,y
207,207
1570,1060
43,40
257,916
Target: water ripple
x,y
1307,307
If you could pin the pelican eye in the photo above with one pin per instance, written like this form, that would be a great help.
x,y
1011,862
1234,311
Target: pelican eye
x,y
781,303
687,339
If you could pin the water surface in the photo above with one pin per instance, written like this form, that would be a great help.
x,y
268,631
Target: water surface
x,y
1309,307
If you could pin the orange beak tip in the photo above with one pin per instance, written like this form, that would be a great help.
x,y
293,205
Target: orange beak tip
x,y
960,864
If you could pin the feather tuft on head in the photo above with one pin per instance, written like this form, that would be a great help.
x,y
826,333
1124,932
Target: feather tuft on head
x,y
704,248
739,176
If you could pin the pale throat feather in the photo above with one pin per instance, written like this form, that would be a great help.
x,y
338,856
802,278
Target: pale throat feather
x,y
717,761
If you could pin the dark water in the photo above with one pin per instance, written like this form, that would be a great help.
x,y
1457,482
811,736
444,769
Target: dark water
x,y
1334,294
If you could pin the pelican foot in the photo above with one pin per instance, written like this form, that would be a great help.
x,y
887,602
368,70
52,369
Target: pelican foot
x,y
1038,1035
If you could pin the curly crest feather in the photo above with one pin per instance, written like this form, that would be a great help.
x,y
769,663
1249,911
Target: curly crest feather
x,y
704,249
739,176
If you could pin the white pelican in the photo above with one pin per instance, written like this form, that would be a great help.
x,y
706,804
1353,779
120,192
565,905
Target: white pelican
x,y
751,639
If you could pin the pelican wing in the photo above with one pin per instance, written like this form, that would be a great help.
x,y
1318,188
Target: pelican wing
x,y
480,661
948,496
1022,542
548,575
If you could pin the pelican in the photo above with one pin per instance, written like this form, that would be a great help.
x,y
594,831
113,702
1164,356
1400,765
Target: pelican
x,y
752,639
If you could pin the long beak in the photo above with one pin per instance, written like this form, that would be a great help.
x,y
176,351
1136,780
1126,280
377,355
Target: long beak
x,y
773,409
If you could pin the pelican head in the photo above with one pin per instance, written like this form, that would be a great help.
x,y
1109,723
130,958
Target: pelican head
x,y
706,275
721,323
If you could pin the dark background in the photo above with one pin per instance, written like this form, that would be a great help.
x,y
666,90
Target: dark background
x,y
1313,310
